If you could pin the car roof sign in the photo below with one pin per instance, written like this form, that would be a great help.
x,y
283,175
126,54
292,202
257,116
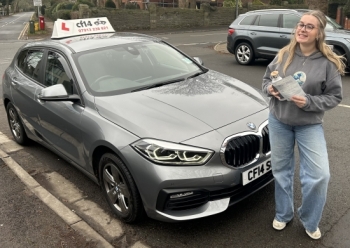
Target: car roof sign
x,y
69,28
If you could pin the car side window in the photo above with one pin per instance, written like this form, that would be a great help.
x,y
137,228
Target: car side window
x,y
290,21
29,62
248,20
270,20
55,72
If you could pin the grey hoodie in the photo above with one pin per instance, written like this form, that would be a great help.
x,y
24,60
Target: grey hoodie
x,y
320,80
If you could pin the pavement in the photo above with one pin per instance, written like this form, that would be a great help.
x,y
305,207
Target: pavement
x,y
28,212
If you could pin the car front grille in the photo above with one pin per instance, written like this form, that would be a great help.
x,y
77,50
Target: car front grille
x,y
243,149
266,148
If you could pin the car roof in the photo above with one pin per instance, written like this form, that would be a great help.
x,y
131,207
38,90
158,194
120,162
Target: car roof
x,y
83,43
278,10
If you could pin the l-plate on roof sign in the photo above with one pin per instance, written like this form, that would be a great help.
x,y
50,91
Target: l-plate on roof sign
x,y
75,27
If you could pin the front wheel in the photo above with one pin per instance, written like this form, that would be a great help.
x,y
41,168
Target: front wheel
x,y
16,125
119,189
244,54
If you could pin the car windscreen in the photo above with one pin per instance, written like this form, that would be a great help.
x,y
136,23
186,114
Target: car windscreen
x,y
125,68
332,24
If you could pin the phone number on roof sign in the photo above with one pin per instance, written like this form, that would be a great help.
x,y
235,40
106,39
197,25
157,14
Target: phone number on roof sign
x,y
84,30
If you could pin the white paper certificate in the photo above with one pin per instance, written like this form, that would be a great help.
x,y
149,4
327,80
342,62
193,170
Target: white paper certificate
x,y
288,87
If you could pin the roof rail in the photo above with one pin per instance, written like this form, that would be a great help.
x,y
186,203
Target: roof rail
x,y
266,10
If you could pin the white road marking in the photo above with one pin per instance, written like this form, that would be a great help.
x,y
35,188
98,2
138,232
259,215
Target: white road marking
x,y
194,44
345,106
196,35
5,61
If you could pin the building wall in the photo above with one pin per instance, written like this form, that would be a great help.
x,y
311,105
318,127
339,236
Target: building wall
x,y
168,18
178,18
124,19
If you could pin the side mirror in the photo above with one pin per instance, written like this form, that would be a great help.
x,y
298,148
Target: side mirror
x,y
199,61
56,92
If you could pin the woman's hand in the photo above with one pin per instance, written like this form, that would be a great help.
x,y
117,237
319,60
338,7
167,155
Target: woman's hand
x,y
300,101
273,92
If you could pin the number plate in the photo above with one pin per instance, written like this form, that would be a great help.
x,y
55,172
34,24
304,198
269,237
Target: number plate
x,y
256,172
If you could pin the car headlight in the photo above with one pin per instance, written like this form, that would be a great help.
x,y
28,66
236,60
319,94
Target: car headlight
x,y
167,153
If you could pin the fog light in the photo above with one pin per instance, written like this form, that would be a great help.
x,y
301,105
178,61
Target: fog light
x,y
179,195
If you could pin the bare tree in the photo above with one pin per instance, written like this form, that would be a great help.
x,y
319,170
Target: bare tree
x,y
7,7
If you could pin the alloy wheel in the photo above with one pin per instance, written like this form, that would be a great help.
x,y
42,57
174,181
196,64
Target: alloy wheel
x,y
14,123
243,54
116,188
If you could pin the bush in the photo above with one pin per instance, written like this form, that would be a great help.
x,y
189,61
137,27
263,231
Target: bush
x,y
132,5
258,2
64,5
110,4
87,2
232,3
295,1
276,2
63,14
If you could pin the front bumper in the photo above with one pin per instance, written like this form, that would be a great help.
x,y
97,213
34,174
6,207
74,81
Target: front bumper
x,y
204,190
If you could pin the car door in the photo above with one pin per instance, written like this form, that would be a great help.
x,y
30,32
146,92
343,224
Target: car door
x,y
24,83
60,120
265,34
289,22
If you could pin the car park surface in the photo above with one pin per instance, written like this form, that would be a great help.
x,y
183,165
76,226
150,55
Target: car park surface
x,y
261,33
128,111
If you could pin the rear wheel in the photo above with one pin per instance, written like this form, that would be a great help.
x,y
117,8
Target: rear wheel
x,y
341,53
16,125
244,54
119,189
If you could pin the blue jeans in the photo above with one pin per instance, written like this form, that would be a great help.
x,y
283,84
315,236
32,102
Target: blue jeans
x,y
314,170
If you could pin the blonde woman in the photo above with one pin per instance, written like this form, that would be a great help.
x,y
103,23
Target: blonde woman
x,y
318,71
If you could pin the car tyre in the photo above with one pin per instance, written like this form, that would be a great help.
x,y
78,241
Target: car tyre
x,y
16,126
339,53
244,54
119,189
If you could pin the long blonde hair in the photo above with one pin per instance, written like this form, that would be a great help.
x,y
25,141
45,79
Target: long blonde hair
x,y
320,45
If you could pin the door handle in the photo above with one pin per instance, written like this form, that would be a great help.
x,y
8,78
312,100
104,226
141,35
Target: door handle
x,y
253,33
14,81
283,36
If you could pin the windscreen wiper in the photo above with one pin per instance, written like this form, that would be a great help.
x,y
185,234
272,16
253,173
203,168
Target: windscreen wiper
x,y
196,74
159,84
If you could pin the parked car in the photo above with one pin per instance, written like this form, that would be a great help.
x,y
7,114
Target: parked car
x,y
262,33
160,133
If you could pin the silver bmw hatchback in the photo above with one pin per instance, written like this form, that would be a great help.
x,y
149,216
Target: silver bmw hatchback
x,y
161,134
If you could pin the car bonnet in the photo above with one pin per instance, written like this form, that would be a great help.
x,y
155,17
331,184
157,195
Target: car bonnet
x,y
183,110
